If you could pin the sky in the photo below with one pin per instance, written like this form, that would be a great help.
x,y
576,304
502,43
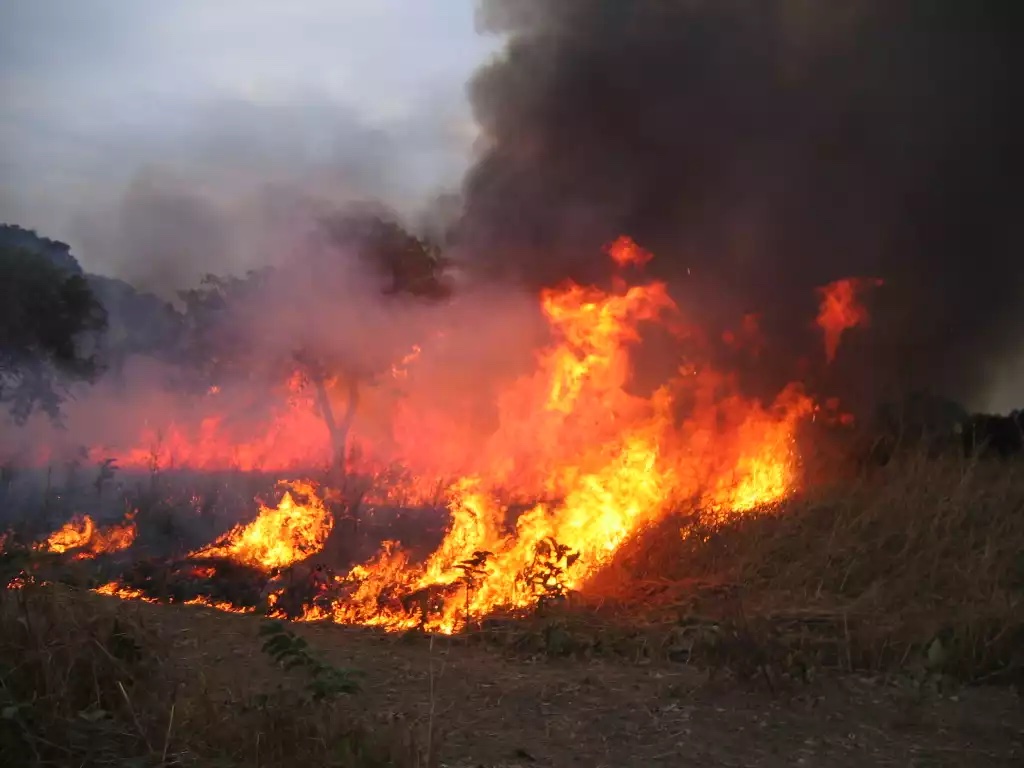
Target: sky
x,y
193,115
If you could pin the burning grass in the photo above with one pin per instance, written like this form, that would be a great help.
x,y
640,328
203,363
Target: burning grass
x,y
913,571
916,567
682,525
85,539
278,537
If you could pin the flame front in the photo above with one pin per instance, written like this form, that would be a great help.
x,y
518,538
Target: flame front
x,y
591,461
278,537
607,462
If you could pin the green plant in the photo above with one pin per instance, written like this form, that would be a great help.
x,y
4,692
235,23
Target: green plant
x,y
545,575
100,683
473,570
292,652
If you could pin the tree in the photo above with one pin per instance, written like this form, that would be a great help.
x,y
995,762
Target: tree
x,y
411,265
273,323
137,324
50,322
221,313
214,344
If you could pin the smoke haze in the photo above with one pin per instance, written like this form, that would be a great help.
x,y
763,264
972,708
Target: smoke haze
x,y
166,141
234,190
762,150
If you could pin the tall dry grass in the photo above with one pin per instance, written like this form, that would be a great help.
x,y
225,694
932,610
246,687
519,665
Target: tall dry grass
x,y
87,682
922,560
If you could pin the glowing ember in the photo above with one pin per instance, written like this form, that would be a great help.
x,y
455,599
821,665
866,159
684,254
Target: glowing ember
x,y
280,536
840,310
20,581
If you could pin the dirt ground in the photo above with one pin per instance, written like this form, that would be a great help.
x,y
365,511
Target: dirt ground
x,y
497,711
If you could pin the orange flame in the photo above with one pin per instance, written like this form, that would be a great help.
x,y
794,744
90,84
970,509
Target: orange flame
x,y
81,533
220,605
592,462
840,310
400,370
74,534
625,251
610,462
116,589
280,536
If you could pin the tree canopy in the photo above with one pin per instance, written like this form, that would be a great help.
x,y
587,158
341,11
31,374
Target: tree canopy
x,y
411,265
221,313
49,324
59,325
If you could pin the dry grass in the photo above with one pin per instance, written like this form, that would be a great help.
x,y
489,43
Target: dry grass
x,y
920,563
918,567
87,682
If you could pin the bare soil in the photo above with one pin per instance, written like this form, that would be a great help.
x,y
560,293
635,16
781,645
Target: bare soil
x,y
498,711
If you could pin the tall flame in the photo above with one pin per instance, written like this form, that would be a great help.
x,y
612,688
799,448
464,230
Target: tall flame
x,y
590,461
609,463
278,536
840,310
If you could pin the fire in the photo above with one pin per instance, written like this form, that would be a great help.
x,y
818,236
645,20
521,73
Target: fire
x,y
609,463
116,589
624,251
115,538
76,533
220,605
215,445
400,370
840,310
591,461
81,533
278,537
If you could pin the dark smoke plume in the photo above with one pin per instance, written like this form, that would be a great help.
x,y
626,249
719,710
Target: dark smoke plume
x,y
761,149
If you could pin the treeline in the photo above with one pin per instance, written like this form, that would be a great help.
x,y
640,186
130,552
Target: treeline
x,y
923,422
61,327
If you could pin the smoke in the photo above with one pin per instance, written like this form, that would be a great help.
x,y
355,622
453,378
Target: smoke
x,y
324,302
242,186
232,184
762,150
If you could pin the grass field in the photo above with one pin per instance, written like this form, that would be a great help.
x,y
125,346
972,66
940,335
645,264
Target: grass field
x,y
879,621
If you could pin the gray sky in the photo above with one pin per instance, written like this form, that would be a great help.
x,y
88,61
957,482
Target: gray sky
x,y
120,121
